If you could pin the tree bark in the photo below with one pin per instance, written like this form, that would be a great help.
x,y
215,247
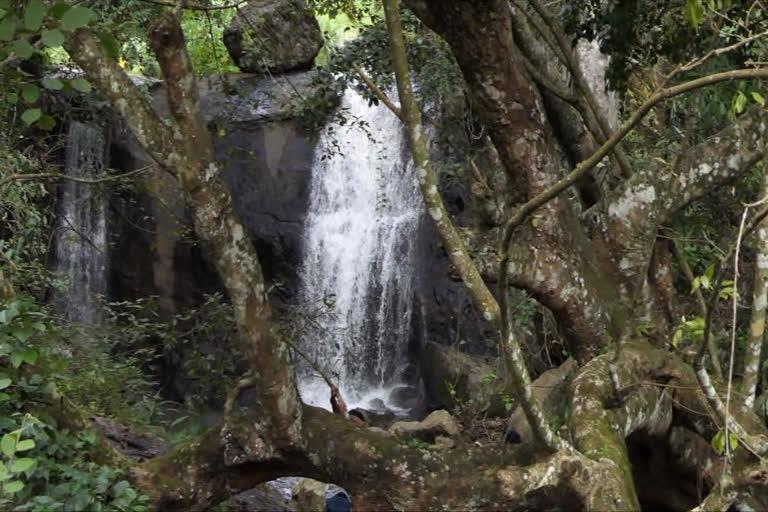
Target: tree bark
x,y
754,347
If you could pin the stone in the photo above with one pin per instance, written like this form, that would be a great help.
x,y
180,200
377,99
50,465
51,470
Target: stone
x,y
444,443
377,404
406,397
263,498
380,418
438,423
380,431
308,496
454,379
273,36
550,390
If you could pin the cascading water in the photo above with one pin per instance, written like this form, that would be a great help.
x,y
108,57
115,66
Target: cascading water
x,y
81,231
359,255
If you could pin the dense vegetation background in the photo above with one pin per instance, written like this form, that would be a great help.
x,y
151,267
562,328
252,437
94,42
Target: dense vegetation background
x,y
55,375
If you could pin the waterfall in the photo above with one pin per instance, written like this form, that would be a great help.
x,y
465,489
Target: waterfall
x,y
81,230
359,256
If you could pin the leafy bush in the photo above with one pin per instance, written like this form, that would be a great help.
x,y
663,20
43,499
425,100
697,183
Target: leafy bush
x,y
43,465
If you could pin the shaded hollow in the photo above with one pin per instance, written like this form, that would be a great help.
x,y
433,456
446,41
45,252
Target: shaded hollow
x,y
662,482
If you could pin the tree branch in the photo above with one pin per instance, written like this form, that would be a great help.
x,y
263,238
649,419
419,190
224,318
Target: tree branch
x,y
57,176
700,301
197,7
589,108
377,92
584,167
124,96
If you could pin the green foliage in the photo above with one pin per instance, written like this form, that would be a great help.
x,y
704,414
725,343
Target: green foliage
x,y
25,215
718,441
45,467
138,338
692,330
29,31
418,443
639,33
205,45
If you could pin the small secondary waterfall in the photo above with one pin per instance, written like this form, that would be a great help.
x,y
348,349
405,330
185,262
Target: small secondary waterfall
x,y
81,231
359,255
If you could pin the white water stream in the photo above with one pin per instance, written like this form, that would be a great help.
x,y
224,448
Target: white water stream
x,y
359,256
81,230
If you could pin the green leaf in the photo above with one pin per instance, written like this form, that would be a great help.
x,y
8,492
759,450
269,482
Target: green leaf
x,y
33,15
758,98
52,38
13,487
738,103
59,10
4,383
46,123
31,115
677,337
4,397
693,12
77,17
22,48
734,440
81,84
718,442
120,487
12,98
22,464
30,93
7,28
8,444
17,357
30,356
24,445
110,44
54,84
696,284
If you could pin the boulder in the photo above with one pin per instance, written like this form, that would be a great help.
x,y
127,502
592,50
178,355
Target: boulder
x,y
438,423
550,390
444,443
308,496
273,36
380,431
406,397
263,498
380,418
456,379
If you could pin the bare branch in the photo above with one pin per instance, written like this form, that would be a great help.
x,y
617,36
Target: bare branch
x,y
718,51
584,167
377,92
197,7
56,176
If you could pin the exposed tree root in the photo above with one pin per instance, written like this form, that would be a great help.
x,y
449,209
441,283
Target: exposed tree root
x,y
664,417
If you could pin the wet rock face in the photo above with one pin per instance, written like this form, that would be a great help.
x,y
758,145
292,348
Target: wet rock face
x,y
273,35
